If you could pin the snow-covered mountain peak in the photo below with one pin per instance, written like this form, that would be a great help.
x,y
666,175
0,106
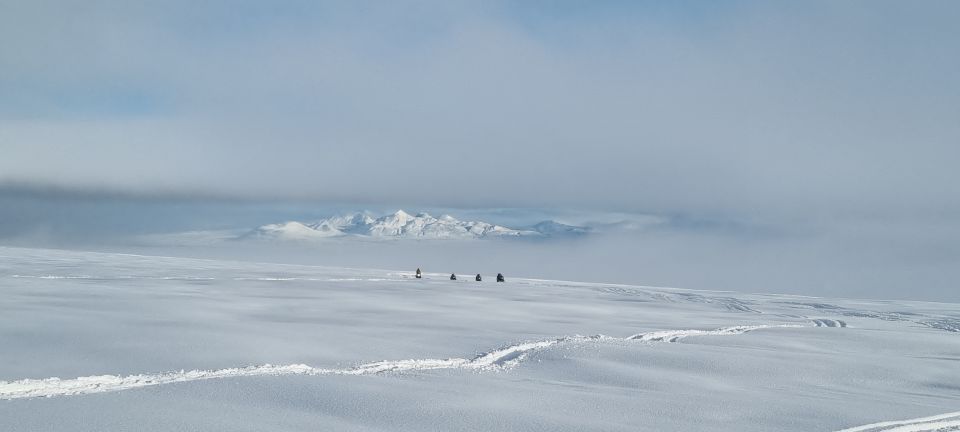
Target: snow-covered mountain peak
x,y
296,231
402,217
402,225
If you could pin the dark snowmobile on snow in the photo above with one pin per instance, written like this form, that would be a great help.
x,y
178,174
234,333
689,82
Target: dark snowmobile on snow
x,y
453,276
418,274
499,277
478,277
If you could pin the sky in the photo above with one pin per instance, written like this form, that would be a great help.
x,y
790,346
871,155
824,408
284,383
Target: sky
x,y
825,120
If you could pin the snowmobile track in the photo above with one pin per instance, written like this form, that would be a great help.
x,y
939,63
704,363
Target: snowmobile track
x,y
938,423
822,322
499,359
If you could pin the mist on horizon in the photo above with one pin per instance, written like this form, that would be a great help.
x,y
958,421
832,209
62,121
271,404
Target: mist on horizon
x,y
790,147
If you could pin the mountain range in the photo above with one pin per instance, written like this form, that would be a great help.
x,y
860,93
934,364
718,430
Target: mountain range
x,y
402,225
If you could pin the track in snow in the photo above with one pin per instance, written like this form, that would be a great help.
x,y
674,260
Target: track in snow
x,y
822,322
676,335
730,303
499,359
937,423
948,324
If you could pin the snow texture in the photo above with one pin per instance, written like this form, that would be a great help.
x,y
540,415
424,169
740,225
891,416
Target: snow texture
x,y
502,358
941,423
85,339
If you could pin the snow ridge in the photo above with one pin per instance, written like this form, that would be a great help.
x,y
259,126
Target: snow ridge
x,y
676,335
942,422
499,359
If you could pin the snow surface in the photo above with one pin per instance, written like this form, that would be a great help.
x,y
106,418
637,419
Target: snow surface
x,y
402,225
93,341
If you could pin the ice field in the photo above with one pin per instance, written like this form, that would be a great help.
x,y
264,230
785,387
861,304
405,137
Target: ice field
x,y
96,341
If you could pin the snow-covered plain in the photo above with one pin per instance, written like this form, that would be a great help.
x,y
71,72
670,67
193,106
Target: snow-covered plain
x,y
93,341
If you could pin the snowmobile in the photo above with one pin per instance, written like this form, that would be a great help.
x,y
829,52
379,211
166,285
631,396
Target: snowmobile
x,y
499,277
478,277
453,276
418,274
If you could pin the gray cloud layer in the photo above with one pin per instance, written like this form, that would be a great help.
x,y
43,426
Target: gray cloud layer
x,y
824,133
744,108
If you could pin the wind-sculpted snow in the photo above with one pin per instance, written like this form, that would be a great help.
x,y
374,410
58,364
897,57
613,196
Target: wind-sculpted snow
x,y
676,335
307,347
198,278
882,315
938,423
730,303
498,359
949,324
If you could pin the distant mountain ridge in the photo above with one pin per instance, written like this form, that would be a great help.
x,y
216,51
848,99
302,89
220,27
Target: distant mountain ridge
x,y
402,225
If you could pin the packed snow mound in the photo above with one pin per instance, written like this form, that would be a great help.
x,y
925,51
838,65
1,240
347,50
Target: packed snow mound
x,y
404,225
296,231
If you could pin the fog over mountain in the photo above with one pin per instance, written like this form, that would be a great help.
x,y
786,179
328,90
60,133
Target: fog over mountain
x,y
491,215
785,146
742,108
